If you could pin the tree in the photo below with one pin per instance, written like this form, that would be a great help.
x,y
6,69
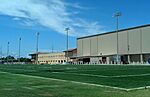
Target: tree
x,y
22,59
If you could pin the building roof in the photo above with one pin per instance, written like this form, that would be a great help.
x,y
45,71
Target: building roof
x,y
45,53
39,53
70,50
114,31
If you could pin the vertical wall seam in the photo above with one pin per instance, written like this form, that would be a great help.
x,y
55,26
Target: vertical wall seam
x,y
141,41
90,46
128,46
97,45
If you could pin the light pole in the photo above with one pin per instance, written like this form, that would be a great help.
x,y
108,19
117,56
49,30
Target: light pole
x,y
117,14
7,51
37,47
19,48
1,54
52,48
67,30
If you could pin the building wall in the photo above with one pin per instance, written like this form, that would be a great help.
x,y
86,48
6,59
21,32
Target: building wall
x,y
80,47
74,53
134,41
108,44
98,45
94,46
123,42
145,39
86,47
131,41
52,58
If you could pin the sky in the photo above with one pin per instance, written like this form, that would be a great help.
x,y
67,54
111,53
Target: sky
x,y
24,18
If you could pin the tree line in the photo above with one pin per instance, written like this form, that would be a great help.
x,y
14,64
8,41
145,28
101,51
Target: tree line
x,y
13,59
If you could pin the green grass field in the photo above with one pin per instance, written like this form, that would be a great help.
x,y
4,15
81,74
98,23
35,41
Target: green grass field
x,y
74,81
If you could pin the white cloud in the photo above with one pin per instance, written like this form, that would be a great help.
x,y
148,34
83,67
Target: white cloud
x,y
76,5
53,14
16,19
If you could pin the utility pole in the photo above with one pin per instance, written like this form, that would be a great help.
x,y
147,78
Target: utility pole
x,y
117,14
7,51
67,30
19,49
37,47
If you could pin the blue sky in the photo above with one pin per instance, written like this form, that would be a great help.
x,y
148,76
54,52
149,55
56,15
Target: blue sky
x,y
24,18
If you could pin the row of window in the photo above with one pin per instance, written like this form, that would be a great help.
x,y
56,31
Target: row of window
x,y
53,56
54,61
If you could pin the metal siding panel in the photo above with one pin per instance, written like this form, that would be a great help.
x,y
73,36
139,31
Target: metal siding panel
x,y
79,47
109,44
94,46
86,47
99,44
123,42
145,40
134,41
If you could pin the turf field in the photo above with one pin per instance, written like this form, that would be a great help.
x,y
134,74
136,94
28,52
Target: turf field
x,y
74,81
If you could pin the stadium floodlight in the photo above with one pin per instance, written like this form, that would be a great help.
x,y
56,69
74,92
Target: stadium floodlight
x,y
67,30
117,14
19,49
7,51
37,47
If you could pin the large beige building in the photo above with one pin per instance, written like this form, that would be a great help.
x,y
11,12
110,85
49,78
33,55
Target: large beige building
x,y
48,58
133,46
